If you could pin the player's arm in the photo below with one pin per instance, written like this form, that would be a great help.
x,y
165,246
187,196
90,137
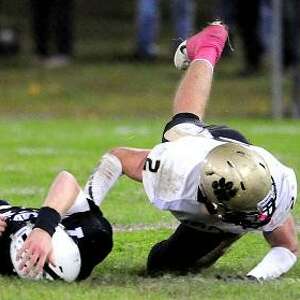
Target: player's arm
x,y
37,248
283,253
122,160
62,193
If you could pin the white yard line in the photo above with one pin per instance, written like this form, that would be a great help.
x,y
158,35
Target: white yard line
x,y
47,151
23,191
142,227
129,130
158,226
270,129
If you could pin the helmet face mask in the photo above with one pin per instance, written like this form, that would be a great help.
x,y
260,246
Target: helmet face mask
x,y
238,185
257,218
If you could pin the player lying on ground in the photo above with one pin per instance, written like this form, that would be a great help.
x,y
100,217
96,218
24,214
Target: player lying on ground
x,y
81,241
210,178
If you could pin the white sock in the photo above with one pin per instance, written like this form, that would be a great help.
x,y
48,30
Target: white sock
x,y
103,178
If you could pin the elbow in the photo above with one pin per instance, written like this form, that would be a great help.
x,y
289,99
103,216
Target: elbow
x,y
67,180
65,175
295,249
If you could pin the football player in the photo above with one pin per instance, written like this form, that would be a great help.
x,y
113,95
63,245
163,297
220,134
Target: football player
x,y
210,178
73,236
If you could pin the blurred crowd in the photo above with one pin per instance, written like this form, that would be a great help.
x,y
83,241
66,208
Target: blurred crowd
x,y
52,29
253,20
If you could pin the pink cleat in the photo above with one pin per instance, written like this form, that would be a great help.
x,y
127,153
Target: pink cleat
x,y
206,45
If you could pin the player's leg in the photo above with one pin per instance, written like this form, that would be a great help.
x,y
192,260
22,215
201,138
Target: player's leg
x,y
193,92
201,51
188,249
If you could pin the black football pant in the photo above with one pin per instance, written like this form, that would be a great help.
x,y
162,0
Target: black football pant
x,y
96,240
188,250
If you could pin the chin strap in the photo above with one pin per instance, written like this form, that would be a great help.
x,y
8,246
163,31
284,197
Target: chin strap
x,y
246,220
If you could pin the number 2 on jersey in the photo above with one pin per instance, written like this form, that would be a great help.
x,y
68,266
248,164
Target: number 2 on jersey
x,y
151,165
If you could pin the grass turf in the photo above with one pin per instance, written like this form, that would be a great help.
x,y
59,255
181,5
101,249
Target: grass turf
x,y
33,151
66,118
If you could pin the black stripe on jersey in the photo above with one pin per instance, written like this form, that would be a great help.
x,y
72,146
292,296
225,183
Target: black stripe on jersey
x,y
48,270
3,202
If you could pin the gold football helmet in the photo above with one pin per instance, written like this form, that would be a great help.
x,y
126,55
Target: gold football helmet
x,y
237,185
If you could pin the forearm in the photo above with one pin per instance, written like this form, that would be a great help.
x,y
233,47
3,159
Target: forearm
x,y
61,196
278,261
103,178
128,161
283,254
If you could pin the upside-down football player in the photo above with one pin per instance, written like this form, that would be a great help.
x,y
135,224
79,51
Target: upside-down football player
x,y
210,178
73,236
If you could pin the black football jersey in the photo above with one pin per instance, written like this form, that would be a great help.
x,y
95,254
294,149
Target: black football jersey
x,y
90,230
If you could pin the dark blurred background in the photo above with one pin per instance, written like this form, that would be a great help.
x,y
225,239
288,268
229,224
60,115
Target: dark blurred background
x,y
141,35
97,20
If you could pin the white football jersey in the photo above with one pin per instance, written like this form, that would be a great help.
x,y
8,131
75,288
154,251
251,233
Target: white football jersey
x,y
172,173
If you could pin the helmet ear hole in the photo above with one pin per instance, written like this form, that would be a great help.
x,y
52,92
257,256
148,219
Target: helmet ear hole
x,y
241,152
229,164
242,186
262,165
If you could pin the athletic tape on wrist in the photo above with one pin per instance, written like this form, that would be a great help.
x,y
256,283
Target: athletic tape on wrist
x,y
277,261
48,219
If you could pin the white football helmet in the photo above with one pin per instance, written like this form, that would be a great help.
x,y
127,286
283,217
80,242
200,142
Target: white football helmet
x,y
237,185
66,256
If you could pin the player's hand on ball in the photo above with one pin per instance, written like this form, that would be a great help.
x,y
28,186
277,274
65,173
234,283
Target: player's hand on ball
x,y
35,252
2,225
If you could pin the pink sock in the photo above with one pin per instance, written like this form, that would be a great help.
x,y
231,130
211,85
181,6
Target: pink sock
x,y
208,44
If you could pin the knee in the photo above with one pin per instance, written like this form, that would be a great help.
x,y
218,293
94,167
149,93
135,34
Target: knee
x,y
157,261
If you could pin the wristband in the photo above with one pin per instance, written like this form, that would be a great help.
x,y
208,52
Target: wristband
x,y
48,219
277,261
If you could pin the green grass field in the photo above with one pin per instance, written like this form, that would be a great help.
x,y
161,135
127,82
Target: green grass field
x,y
65,119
